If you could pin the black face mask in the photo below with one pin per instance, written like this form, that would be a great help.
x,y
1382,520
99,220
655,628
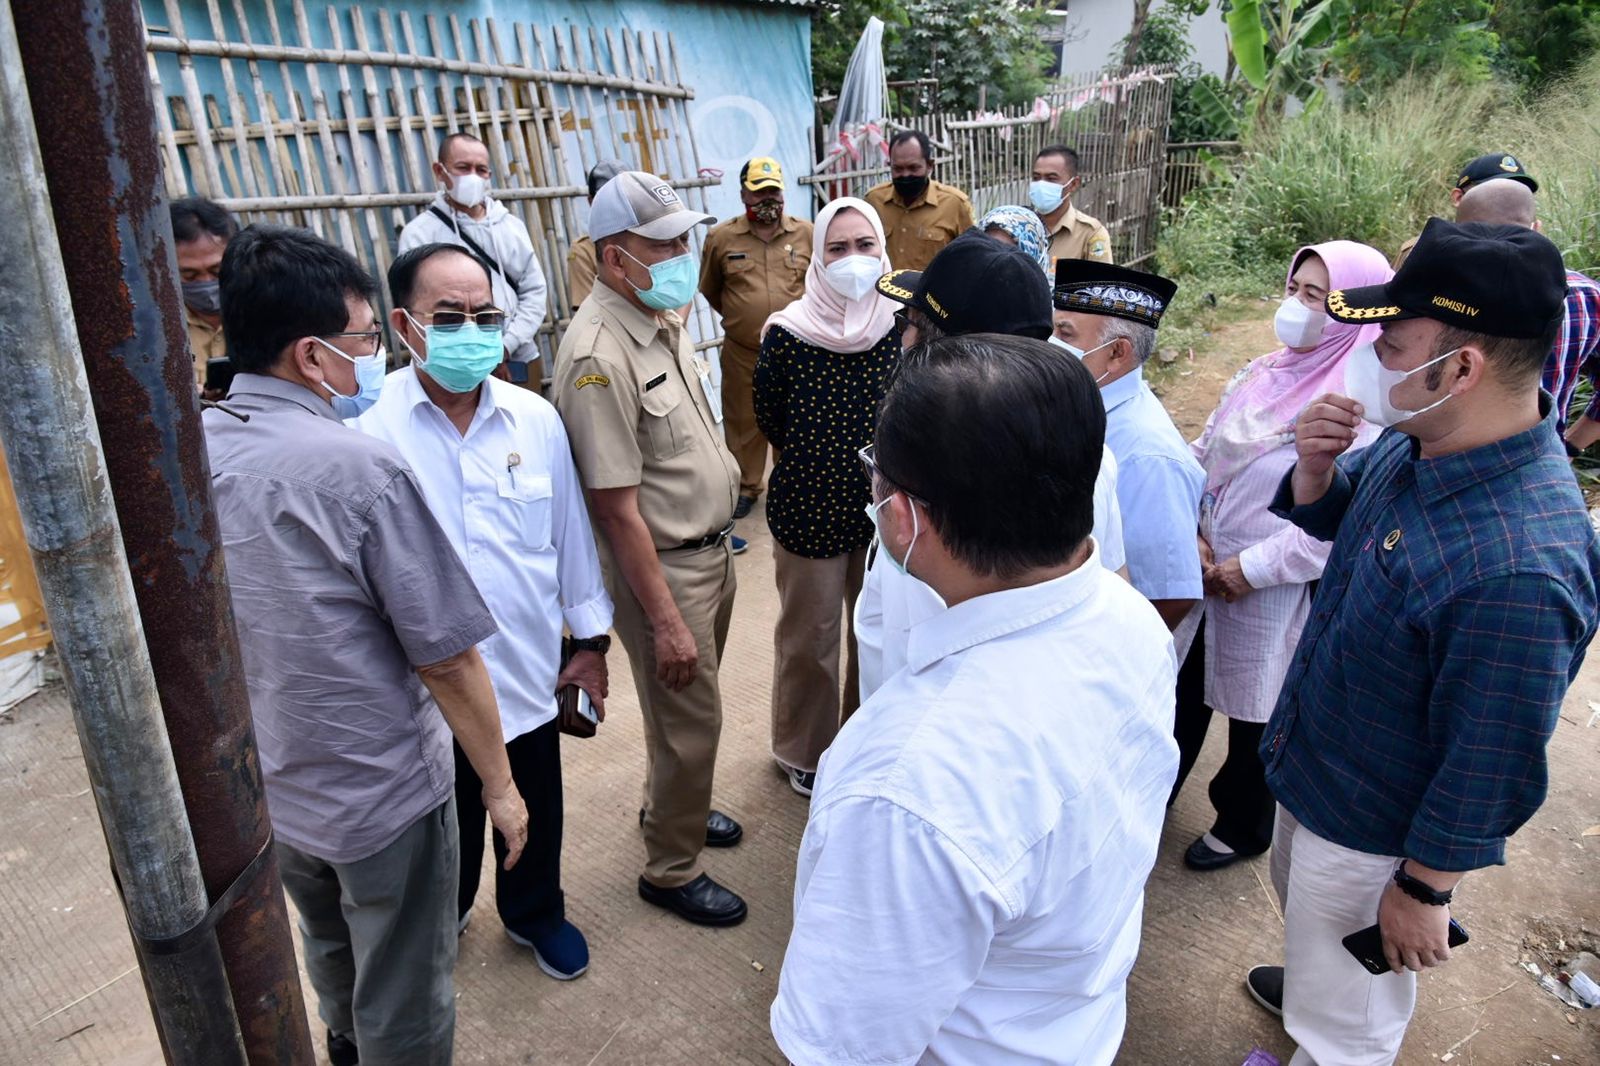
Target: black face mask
x,y
910,190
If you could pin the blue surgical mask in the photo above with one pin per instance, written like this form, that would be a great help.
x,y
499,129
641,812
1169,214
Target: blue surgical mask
x,y
916,531
369,382
459,358
1045,196
672,282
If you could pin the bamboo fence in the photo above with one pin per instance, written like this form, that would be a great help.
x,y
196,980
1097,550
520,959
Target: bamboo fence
x,y
339,137
1117,124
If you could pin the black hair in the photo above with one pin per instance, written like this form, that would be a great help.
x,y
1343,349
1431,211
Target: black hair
x,y
913,135
602,172
279,284
1013,490
407,265
194,216
1069,154
444,145
1514,360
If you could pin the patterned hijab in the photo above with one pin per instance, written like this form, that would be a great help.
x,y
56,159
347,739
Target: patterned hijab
x,y
1024,227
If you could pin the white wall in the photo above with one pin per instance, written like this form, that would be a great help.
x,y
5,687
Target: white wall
x,y
1095,29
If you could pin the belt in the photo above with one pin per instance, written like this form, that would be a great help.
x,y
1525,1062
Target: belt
x,y
710,540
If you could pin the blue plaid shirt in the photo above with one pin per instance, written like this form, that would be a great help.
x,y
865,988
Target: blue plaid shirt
x,y
1453,614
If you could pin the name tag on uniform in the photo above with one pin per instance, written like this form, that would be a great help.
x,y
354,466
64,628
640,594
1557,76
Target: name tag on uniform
x,y
707,386
736,255
653,382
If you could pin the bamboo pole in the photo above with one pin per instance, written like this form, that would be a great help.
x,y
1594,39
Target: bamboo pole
x,y
268,133
236,105
191,94
319,110
417,164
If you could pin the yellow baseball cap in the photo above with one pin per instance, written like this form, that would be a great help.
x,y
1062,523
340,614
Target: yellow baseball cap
x,y
762,172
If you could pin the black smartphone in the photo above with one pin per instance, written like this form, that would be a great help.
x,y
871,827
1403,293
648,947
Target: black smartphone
x,y
1367,946
219,375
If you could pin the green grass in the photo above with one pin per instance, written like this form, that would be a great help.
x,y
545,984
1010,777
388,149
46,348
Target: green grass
x,y
1376,172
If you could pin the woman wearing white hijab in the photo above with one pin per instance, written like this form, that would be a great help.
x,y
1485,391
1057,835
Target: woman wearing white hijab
x,y
825,361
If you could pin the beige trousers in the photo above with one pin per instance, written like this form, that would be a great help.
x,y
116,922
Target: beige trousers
x,y
739,427
806,705
681,728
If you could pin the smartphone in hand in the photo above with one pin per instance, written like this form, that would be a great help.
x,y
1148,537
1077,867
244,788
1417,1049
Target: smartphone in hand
x,y
1367,946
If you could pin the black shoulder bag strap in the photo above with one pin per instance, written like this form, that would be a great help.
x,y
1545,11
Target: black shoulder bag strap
x,y
477,249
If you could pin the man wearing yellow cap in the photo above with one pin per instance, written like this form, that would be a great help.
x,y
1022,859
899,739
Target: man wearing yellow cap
x,y
754,264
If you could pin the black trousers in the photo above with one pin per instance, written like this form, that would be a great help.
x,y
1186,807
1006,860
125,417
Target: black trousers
x,y
528,896
1239,794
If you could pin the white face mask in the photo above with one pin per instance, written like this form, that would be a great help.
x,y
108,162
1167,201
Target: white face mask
x,y
469,190
1080,353
1297,325
853,276
1369,383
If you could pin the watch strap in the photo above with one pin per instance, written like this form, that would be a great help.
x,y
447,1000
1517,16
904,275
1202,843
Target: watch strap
x,y
601,644
1419,890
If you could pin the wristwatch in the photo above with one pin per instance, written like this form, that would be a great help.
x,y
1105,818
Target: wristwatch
x,y
601,644
1420,891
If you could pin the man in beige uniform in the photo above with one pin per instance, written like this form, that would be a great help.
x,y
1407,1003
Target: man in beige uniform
x,y
580,257
920,216
643,417
201,231
754,265
1073,234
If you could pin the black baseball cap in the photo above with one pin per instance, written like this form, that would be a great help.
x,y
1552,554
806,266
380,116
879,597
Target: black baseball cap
x,y
603,172
1502,281
1495,165
977,284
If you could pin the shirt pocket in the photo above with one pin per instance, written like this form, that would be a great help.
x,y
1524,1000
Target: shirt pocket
x,y
665,409
741,265
527,502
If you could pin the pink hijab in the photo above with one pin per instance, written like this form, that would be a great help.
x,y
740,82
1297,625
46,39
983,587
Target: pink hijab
x,y
823,317
1259,407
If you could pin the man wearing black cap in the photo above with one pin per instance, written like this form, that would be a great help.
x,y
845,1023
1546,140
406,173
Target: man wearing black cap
x,y
1485,168
976,285
1409,739
1107,316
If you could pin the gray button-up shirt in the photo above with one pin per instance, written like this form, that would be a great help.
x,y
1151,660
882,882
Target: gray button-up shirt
x,y
342,584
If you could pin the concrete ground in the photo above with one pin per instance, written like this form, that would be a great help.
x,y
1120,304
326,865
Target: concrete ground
x,y
662,992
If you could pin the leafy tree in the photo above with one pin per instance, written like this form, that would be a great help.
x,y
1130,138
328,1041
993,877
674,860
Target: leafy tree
x,y
836,26
1543,39
1204,108
972,44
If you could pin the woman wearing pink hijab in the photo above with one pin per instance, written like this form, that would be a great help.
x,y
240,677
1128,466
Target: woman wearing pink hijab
x,y
1259,570
824,363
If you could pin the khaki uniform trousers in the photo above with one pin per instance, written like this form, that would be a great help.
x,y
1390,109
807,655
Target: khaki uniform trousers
x,y
681,728
806,704
739,429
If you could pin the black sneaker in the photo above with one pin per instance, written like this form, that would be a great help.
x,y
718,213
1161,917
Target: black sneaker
x,y
742,508
342,1050
1265,985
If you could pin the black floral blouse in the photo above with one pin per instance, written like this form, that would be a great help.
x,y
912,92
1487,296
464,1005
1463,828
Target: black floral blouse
x,y
818,408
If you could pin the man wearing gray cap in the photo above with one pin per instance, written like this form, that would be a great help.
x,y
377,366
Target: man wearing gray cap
x,y
645,422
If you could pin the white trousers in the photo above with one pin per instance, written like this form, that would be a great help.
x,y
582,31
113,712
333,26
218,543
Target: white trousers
x,y
1338,1013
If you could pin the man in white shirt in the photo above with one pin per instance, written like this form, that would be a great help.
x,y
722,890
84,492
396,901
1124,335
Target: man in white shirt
x,y
463,213
970,885
497,473
975,285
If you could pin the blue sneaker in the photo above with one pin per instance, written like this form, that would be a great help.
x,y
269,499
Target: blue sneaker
x,y
561,953
740,545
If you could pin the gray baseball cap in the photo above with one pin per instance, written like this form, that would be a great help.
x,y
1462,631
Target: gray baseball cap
x,y
644,204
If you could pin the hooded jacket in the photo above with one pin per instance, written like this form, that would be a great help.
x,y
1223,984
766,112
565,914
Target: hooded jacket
x,y
520,292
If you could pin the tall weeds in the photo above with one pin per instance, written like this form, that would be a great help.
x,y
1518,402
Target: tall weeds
x,y
1376,172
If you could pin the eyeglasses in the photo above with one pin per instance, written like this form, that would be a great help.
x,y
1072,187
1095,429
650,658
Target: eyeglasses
x,y
902,319
373,339
869,460
488,318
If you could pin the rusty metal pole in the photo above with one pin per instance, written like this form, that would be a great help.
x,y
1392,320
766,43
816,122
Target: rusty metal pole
x,y
58,467
85,65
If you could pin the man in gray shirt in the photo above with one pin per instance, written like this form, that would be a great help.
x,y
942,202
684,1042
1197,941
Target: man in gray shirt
x,y
358,625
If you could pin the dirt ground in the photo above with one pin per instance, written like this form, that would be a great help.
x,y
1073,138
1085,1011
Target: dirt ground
x,y
663,992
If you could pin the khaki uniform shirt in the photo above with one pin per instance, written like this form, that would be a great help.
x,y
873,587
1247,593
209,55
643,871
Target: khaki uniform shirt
x,y
916,233
1400,256
628,386
1079,236
582,265
205,342
745,279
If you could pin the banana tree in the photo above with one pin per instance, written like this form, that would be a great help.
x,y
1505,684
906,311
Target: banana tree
x,y
1282,47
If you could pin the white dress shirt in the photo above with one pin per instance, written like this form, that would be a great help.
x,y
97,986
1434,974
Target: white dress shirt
x,y
970,885
508,497
891,602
